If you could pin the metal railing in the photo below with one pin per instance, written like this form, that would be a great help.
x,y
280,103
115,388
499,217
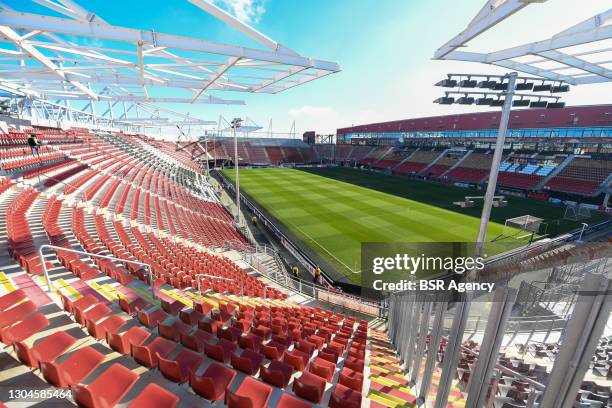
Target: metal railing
x,y
74,251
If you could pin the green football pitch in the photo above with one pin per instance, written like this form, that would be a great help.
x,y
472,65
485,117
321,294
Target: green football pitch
x,y
334,210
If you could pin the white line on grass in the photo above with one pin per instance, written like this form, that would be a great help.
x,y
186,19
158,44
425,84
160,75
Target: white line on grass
x,y
325,249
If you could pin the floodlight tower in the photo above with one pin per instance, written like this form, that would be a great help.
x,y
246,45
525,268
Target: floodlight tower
x,y
235,124
499,90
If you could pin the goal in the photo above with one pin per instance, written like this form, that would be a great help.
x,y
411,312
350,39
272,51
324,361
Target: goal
x,y
524,223
576,212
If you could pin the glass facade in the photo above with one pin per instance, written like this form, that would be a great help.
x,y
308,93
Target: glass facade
x,y
573,132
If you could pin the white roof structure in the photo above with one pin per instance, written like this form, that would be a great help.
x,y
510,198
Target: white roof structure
x,y
581,54
54,59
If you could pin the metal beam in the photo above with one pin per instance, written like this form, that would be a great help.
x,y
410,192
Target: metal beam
x,y
37,55
486,18
220,71
232,21
122,34
577,63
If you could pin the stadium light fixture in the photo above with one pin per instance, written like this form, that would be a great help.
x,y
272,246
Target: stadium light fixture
x,y
538,104
560,88
485,101
555,105
542,88
465,100
520,103
487,83
524,86
235,124
468,83
447,83
445,100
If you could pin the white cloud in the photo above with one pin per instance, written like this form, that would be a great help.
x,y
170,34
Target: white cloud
x,y
248,11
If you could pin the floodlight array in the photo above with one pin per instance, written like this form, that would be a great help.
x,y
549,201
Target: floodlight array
x,y
489,90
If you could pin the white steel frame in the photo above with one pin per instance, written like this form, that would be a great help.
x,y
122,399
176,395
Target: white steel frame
x,y
50,58
591,64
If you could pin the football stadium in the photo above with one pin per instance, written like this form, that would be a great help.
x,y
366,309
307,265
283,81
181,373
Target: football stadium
x,y
400,251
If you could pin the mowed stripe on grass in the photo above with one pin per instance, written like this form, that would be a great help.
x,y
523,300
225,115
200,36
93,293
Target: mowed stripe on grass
x,y
335,217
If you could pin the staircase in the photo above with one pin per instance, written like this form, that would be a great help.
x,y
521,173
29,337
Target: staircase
x,y
554,173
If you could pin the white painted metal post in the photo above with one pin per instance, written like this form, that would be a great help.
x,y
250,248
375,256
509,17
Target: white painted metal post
x,y
581,337
584,225
237,220
501,308
497,157
206,152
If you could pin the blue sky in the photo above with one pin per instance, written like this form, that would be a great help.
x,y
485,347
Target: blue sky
x,y
383,46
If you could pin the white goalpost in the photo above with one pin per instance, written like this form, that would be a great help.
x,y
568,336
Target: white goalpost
x,y
527,223
577,212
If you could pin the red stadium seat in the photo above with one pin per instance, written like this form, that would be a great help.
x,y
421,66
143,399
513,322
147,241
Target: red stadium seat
x,y
147,355
273,350
134,306
178,369
354,364
173,331
306,347
196,340
250,394
297,359
172,307
248,362
73,369
122,342
95,314
344,397
99,330
48,349
24,329
79,306
277,373
17,313
212,384
250,341
190,317
332,357
107,389
309,387
154,396
151,320
289,401
323,368
11,299
221,351
350,378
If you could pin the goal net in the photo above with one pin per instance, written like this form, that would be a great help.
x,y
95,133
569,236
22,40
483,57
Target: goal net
x,y
577,212
523,223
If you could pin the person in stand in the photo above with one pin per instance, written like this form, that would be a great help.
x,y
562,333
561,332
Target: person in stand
x,y
34,144
295,272
254,219
317,275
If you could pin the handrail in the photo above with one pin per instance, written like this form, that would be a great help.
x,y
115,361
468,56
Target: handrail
x,y
74,251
